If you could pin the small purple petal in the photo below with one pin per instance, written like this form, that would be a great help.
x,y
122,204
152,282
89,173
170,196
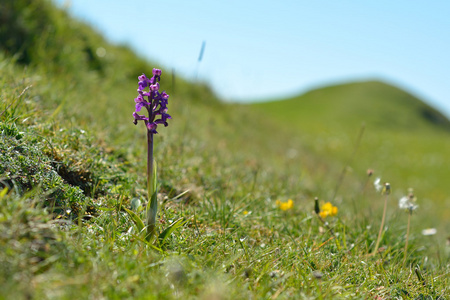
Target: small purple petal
x,y
161,121
156,72
163,110
163,102
164,117
142,85
154,87
164,95
139,117
139,106
152,127
142,77
139,99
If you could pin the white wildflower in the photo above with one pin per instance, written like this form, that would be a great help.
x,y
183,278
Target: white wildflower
x,y
429,231
407,203
377,184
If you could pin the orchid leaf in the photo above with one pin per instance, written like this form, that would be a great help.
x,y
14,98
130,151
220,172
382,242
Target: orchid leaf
x,y
136,220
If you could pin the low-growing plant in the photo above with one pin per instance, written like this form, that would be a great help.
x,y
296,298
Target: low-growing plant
x,y
156,105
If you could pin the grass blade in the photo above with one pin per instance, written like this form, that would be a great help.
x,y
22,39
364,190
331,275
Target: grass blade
x,y
170,229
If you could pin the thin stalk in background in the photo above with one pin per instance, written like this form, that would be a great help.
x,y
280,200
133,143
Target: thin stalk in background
x,y
406,242
407,203
349,162
386,191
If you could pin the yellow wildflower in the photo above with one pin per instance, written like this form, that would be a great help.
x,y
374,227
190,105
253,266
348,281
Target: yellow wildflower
x,y
328,210
285,205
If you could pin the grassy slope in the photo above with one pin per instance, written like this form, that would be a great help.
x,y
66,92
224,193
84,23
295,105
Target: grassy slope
x,y
69,138
404,140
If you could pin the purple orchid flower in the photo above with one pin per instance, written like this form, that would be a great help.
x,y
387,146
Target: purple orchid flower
x,y
156,104
154,101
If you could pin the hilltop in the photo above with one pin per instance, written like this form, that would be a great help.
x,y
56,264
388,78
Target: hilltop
x,y
374,103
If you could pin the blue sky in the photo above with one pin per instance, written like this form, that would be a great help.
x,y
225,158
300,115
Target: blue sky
x,y
257,50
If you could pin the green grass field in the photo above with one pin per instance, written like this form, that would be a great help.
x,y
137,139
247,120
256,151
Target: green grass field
x,y
72,160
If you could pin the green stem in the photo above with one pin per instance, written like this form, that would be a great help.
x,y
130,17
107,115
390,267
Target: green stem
x,y
152,204
149,163
382,225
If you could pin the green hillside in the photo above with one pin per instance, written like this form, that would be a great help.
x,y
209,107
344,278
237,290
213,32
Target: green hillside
x,y
240,178
404,139
377,104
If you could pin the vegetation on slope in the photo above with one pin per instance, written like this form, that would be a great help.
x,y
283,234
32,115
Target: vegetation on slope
x,y
70,157
403,139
